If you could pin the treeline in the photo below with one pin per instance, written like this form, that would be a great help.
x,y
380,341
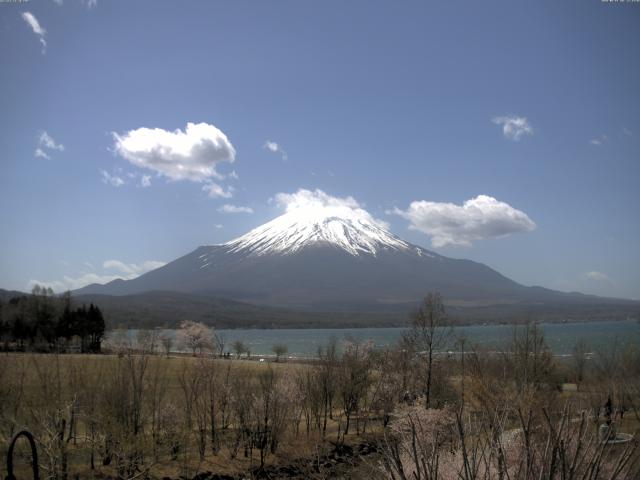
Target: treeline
x,y
46,322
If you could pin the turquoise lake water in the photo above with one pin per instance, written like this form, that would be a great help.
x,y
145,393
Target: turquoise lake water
x,y
560,337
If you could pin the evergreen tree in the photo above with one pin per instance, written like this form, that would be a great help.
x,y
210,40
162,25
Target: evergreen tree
x,y
20,330
95,328
44,321
79,326
3,325
66,320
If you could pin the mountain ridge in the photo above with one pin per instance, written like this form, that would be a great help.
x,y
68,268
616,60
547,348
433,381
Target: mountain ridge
x,y
167,309
338,259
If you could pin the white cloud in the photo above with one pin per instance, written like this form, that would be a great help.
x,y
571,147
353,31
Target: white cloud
x,y
514,127
88,3
304,198
41,153
227,208
126,271
597,276
276,148
626,131
47,141
145,181
32,21
599,141
214,190
309,200
72,283
45,144
459,225
132,269
218,226
192,154
113,180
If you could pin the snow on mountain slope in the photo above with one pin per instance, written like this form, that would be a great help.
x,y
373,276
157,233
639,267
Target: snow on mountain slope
x,y
351,229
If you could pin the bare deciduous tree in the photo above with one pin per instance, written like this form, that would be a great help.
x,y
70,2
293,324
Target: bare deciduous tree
x,y
239,348
530,358
429,332
219,342
355,379
327,378
167,342
579,357
147,340
279,350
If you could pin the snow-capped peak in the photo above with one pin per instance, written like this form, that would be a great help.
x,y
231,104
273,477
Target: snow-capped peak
x,y
345,226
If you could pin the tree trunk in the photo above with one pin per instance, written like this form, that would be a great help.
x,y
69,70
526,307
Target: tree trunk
x,y
430,364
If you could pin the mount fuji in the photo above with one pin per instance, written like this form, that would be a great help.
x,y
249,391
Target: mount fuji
x,y
332,258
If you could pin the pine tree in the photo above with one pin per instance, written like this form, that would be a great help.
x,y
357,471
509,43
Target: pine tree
x,y
95,328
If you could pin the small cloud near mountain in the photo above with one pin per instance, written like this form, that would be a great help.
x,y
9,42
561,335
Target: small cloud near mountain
x,y
479,218
113,270
308,201
598,276
227,208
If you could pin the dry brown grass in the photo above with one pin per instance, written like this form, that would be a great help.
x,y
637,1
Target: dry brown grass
x,y
30,400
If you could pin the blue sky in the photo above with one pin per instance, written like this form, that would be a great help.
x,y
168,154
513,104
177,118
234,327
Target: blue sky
x,y
535,104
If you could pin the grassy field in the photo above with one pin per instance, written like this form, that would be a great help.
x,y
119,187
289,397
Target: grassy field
x,y
133,414
39,389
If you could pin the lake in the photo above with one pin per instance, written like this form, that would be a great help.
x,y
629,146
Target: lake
x,y
560,337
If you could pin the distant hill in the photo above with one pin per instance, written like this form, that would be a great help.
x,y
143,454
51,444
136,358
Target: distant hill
x,y
168,309
6,295
159,308
151,309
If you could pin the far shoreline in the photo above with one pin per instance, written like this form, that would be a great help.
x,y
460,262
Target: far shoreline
x,y
357,326
303,342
